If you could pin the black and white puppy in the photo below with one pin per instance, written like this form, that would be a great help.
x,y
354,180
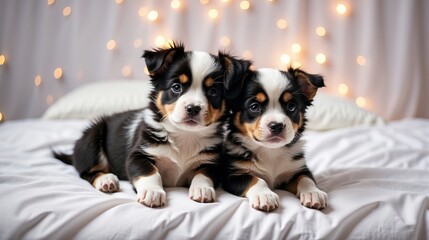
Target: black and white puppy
x,y
263,150
176,141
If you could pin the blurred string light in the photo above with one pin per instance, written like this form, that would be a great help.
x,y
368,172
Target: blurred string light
x,y
37,80
247,54
152,15
361,60
296,64
1,117
361,102
111,44
204,1
49,99
143,11
138,43
175,4
296,48
119,1
50,2
126,71
225,41
67,11
320,31
213,13
58,73
160,41
320,58
343,89
2,59
285,59
245,5
282,24
341,8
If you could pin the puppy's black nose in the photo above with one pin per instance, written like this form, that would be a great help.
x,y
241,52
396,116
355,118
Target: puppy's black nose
x,y
192,110
275,127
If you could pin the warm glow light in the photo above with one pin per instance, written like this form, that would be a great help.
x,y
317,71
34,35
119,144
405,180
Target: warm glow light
x,y
159,41
175,4
138,43
225,1
145,70
252,67
37,80
320,31
50,99
343,89
119,1
1,117
50,2
281,23
247,54
111,44
361,60
296,48
225,41
204,1
360,102
296,64
320,58
341,9
213,13
126,71
58,73
67,11
285,59
143,11
152,15
245,5
2,59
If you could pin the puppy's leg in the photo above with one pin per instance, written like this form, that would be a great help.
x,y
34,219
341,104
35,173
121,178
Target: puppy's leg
x,y
146,179
303,185
90,161
255,189
202,187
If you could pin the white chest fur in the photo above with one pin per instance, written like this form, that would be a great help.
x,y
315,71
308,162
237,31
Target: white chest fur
x,y
274,165
177,160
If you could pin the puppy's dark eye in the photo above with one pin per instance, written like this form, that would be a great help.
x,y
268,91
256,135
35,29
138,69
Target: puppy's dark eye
x,y
255,107
291,106
176,88
212,92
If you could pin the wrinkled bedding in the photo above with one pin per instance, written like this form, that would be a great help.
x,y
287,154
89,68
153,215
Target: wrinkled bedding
x,y
376,177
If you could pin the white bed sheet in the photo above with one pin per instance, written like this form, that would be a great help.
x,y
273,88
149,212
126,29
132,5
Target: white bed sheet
x,y
377,179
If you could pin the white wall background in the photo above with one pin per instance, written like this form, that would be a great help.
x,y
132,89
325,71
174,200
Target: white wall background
x,y
390,36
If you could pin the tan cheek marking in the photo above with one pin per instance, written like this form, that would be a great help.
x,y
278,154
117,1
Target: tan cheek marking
x,y
213,115
164,109
298,125
183,79
286,97
261,97
254,130
251,184
237,123
209,82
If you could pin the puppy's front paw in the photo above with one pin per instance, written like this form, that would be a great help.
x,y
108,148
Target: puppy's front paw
x,y
314,199
201,189
202,194
265,201
152,197
106,183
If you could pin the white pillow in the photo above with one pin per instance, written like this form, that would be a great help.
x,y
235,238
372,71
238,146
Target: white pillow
x,y
100,98
330,112
108,97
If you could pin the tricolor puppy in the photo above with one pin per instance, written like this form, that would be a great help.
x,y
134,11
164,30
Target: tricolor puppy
x,y
263,150
175,141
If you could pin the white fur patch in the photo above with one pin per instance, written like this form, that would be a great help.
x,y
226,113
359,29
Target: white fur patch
x,y
201,189
311,196
149,190
108,182
261,197
202,64
132,126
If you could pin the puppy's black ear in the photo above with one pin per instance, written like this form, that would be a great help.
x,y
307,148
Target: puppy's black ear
x,y
308,83
235,71
158,60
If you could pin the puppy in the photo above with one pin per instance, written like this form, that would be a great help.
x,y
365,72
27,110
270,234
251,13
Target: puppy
x,y
263,150
176,141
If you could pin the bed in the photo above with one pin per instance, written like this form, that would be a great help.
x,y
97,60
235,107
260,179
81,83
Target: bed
x,y
375,173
